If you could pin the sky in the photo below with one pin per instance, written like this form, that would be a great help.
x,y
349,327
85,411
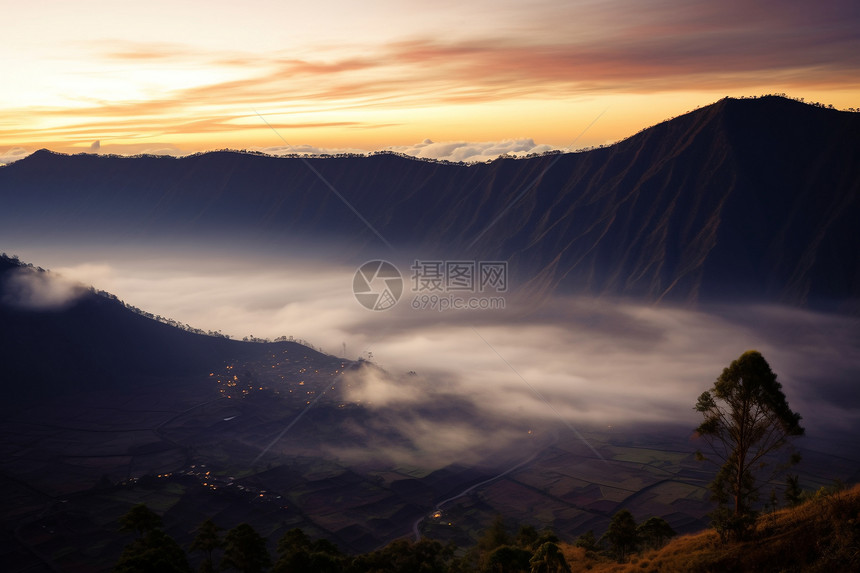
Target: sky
x,y
454,80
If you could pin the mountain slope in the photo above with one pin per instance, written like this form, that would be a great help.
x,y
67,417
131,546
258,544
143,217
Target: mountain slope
x,y
93,343
822,534
744,198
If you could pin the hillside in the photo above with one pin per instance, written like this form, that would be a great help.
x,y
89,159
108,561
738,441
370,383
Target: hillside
x,y
753,198
821,535
94,344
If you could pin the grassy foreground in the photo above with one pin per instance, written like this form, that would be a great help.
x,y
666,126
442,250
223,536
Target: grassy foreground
x,y
820,535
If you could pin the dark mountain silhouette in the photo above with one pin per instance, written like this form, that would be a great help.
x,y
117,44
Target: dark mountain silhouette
x,y
750,198
94,343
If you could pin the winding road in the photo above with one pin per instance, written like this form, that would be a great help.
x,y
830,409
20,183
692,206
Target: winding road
x,y
470,489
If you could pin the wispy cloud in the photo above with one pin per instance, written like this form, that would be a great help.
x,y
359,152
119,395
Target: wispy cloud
x,y
13,154
518,54
548,51
471,150
36,290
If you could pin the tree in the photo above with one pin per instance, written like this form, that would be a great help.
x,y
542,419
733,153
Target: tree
x,y
654,532
546,536
405,556
245,550
293,541
495,536
508,559
527,536
793,492
154,552
139,519
621,534
207,541
587,541
746,419
549,559
774,502
298,554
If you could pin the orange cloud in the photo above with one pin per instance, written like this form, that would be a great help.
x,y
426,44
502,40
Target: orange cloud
x,y
560,52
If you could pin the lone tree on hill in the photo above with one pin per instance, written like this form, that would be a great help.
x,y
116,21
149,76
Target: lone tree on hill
x,y
746,418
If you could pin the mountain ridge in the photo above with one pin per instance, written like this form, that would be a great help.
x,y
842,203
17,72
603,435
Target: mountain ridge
x,y
749,198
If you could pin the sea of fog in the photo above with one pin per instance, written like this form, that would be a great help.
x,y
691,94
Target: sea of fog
x,y
586,360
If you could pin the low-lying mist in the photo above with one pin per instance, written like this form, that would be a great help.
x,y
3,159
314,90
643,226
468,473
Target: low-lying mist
x,y
587,361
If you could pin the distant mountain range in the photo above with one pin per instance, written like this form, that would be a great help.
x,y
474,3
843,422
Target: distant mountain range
x,y
754,198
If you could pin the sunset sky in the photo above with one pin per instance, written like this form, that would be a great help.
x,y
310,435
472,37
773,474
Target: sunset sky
x,y
186,76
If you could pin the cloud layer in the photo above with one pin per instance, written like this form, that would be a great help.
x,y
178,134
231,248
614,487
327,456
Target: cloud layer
x,y
577,360
457,151
472,151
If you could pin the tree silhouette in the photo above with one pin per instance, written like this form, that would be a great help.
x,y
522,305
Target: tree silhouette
x,y
245,550
154,552
746,418
298,554
293,541
508,559
546,536
549,559
793,492
404,556
495,536
139,519
621,534
655,532
587,541
527,536
207,541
